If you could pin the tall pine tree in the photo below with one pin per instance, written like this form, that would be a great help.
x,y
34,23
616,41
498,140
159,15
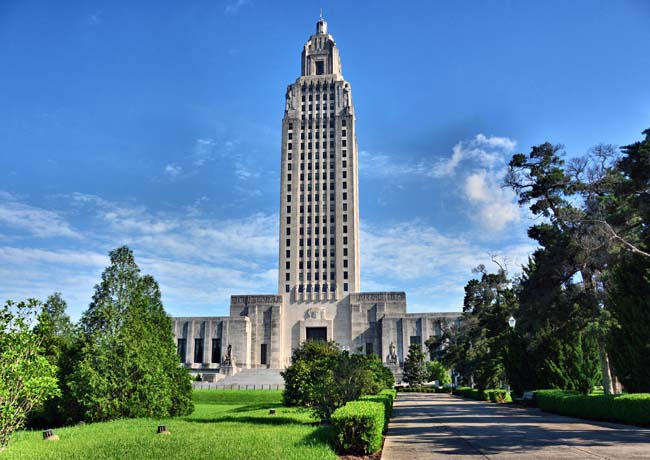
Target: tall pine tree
x,y
128,363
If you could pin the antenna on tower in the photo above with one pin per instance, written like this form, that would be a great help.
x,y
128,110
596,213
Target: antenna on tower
x,y
321,13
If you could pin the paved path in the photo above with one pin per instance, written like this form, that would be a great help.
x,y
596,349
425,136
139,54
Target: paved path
x,y
435,426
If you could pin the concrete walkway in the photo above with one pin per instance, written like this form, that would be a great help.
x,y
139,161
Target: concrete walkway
x,y
435,426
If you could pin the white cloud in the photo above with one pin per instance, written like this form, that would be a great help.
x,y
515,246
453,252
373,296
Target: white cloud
x,y
33,220
491,205
204,150
484,150
173,170
434,266
234,7
198,261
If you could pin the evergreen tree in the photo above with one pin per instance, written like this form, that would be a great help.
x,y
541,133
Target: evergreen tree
x,y
128,365
57,334
415,371
629,300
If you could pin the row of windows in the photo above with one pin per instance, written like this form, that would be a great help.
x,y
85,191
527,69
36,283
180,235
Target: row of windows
x,y
301,264
316,157
318,123
316,287
301,252
316,134
181,347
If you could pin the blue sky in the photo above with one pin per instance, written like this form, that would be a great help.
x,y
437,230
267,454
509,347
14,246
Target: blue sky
x,y
157,124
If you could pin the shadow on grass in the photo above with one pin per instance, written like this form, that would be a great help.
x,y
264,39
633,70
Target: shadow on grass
x,y
323,435
259,406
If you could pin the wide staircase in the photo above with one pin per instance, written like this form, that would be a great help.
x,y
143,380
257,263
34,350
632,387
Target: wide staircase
x,y
248,379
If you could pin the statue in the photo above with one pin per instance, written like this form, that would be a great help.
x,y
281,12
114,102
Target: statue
x,y
227,360
392,353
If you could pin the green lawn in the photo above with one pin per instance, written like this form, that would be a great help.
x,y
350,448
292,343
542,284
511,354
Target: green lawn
x,y
227,424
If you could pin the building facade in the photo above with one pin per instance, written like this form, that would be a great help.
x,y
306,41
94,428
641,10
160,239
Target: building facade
x,y
318,265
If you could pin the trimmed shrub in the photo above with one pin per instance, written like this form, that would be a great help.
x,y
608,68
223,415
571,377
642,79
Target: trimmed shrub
x,y
422,389
358,427
385,397
625,408
498,396
494,395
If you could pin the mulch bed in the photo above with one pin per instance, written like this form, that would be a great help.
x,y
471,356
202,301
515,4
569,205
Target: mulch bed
x,y
376,456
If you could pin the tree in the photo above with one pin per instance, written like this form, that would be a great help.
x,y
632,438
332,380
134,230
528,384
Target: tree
x,y
323,377
569,238
57,335
128,365
27,379
629,303
436,371
414,368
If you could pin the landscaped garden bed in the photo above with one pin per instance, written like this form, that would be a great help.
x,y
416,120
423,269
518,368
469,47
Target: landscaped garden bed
x,y
625,408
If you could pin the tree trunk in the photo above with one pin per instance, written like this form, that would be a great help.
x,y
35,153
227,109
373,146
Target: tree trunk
x,y
605,369
608,384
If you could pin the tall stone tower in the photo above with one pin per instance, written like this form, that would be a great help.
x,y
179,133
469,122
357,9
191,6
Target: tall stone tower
x,y
319,216
318,287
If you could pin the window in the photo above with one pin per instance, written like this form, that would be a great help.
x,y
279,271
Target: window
x,y
288,242
289,199
288,253
345,276
288,209
287,288
345,287
369,349
288,220
289,146
181,347
289,179
198,350
415,339
345,228
345,184
263,354
344,143
345,240
287,265
287,276
344,132
345,195
216,351
345,263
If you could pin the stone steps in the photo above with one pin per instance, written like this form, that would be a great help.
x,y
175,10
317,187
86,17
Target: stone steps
x,y
250,379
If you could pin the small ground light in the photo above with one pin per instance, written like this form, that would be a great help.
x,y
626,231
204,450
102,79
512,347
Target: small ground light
x,y
512,321
48,435
162,429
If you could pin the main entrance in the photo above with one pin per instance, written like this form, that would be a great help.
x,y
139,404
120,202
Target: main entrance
x,y
317,334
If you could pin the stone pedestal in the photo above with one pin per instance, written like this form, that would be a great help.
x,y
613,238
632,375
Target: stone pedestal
x,y
396,369
228,370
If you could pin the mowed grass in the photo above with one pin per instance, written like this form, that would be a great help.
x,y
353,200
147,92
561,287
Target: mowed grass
x,y
226,424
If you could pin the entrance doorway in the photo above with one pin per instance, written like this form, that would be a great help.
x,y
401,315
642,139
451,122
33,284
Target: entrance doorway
x,y
263,355
317,334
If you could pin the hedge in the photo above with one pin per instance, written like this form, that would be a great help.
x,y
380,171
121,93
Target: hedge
x,y
493,395
359,425
385,397
422,389
631,408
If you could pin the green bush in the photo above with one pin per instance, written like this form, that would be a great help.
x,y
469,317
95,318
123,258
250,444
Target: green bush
x,y
493,395
358,427
626,408
385,397
423,389
323,377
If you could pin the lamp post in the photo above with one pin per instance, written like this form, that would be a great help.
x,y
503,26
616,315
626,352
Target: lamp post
x,y
512,322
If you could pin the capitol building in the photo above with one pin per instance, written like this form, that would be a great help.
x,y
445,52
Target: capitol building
x,y
318,294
